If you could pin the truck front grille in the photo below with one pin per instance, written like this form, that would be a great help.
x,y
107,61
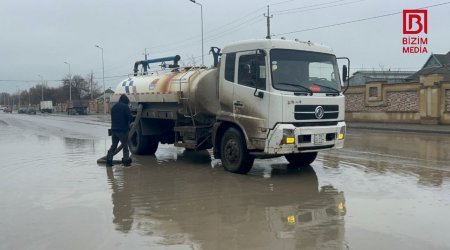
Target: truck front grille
x,y
312,124
308,112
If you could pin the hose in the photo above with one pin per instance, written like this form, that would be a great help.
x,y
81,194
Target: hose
x,y
133,126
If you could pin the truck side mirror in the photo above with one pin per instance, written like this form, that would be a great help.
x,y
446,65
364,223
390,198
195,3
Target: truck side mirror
x,y
258,93
344,73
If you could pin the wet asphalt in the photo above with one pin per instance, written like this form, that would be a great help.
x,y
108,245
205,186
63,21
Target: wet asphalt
x,y
384,190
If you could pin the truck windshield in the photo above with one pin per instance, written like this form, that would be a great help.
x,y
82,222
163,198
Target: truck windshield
x,y
299,71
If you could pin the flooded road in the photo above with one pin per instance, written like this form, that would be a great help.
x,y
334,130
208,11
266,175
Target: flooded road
x,y
385,190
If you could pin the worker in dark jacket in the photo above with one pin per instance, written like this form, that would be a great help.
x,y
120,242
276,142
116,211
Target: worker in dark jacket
x,y
120,126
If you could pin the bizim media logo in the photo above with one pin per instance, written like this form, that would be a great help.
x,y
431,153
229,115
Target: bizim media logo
x,y
415,28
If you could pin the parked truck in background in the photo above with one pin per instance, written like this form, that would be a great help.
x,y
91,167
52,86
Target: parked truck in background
x,y
77,107
263,98
46,107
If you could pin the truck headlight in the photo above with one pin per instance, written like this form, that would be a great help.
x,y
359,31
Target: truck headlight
x,y
291,220
288,136
341,134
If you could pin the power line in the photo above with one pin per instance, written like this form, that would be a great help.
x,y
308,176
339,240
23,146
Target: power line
x,y
306,9
357,20
219,31
214,34
308,6
282,2
211,32
215,37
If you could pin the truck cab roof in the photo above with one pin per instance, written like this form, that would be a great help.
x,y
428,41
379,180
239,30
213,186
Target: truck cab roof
x,y
276,44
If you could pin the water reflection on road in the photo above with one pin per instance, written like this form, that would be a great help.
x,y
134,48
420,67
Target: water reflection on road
x,y
397,186
187,202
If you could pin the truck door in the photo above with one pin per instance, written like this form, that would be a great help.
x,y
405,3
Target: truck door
x,y
250,96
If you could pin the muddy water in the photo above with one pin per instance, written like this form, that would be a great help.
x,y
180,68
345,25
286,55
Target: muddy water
x,y
397,188
392,193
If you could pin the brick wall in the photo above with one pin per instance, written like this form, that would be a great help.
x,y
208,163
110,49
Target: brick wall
x,y
395,102
354,102
426,102
403,101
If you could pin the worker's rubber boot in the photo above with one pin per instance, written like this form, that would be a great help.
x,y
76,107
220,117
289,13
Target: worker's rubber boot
x,y
109,159
126,162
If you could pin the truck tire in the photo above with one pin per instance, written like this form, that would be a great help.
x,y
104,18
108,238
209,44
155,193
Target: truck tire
x,y
235,157
143,144
301,159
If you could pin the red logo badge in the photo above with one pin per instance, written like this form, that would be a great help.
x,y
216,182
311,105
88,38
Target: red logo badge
x,y
314,88
415,21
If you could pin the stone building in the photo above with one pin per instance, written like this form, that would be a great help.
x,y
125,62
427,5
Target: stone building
x,y
436,64
423,98
101,104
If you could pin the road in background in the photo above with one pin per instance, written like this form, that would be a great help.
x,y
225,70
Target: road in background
x,y
385,190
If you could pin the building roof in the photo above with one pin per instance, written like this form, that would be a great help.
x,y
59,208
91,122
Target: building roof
x,y
109,91
389,76
436,64
108,94
445,71
383,73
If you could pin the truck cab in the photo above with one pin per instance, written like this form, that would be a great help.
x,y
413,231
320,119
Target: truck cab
x,y
278,97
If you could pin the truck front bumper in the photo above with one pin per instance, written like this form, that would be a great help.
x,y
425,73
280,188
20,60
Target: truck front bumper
x,y
288,139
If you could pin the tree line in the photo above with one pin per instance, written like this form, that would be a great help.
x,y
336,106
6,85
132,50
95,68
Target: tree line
x,y
83,88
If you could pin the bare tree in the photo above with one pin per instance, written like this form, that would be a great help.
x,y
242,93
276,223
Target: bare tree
x,y
80,87
94,89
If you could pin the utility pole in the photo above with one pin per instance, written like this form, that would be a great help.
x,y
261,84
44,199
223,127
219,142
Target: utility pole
x,y
201,18
70,84
146,54
42,87
104,89
91,79
268,16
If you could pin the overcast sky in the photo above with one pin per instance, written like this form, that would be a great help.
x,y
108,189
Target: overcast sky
x,y
37,37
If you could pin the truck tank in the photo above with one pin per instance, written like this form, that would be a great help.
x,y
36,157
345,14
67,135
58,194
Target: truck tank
x,y
194,90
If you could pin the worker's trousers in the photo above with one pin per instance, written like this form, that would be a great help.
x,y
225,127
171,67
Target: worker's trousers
x,y
116,137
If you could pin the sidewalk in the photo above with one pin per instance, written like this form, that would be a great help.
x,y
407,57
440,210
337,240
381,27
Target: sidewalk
x,y
403,127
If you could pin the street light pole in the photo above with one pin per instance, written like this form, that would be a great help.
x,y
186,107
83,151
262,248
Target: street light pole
x,y
104,90
201,13
42,87
70,84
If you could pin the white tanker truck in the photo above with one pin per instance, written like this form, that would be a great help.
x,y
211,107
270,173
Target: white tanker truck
x,y
263,98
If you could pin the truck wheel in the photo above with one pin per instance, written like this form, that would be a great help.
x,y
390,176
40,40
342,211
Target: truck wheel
x,y
143,144
301,159
235,157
